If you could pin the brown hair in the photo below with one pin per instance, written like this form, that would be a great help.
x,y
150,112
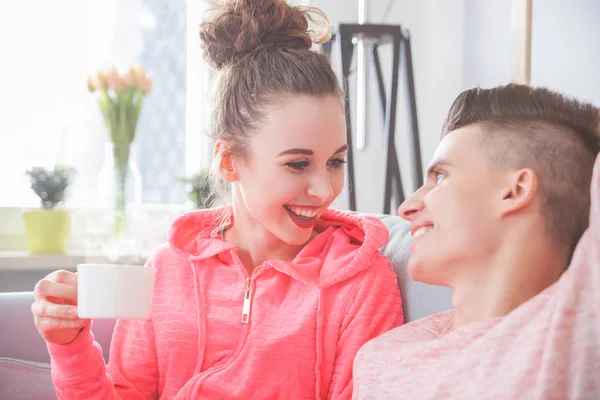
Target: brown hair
x,y
262,49
534,127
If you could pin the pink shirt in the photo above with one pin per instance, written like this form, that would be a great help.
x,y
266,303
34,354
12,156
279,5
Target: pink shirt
x,y
306,320
548,348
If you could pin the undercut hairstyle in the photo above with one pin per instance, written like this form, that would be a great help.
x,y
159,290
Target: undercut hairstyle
x,y
554,135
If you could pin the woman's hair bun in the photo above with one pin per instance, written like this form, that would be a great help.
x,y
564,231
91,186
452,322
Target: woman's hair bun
x,y
239,27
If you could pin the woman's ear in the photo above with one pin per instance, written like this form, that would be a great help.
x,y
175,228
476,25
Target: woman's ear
x,y
519,191
223,155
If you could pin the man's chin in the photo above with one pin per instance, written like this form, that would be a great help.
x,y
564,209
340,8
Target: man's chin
x,y
413,269
424,272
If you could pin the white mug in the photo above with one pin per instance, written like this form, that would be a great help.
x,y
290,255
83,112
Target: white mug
x,y
115,291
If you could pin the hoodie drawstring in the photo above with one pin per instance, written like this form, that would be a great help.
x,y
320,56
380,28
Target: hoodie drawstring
x,y
201,322
319,347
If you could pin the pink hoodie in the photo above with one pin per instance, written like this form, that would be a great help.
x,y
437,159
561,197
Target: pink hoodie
x,y
306,320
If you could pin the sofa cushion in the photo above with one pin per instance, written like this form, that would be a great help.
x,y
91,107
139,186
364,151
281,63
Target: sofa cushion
x,y
25,380
23,341
419,300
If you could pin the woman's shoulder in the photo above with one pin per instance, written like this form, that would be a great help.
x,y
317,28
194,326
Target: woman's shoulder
x,y
367,226
160,254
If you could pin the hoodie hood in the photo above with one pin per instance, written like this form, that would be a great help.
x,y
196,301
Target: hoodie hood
x,y
346,245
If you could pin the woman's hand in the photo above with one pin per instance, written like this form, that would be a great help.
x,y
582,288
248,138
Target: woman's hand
x,y
55,307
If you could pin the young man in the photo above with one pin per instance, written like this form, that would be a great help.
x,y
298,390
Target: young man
x,y
501,220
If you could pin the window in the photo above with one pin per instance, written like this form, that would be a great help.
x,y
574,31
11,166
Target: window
x,y
49,49
49,117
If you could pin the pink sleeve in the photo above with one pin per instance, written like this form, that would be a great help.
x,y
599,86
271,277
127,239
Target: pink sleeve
x,y
376,309
79,372
78,369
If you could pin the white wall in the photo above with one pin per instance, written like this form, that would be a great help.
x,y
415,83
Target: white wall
x,y
566,47
459,44
487,43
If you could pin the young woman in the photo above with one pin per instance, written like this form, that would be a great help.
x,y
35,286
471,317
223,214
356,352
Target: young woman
x,y
271,297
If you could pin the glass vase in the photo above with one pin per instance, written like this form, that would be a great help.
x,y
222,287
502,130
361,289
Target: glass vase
x,y
120,186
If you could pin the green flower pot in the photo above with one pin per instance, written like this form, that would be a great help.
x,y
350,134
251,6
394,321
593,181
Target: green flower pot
x,y
47,231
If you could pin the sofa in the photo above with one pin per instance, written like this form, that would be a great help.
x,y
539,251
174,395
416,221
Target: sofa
x,y
24,360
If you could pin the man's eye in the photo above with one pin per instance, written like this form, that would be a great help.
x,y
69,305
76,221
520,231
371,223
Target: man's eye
x,y
297,166
439,177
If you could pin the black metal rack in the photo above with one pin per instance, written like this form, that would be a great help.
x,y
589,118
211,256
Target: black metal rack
x,y
400,41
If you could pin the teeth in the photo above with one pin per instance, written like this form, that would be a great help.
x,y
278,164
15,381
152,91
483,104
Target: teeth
x,y
421,231
302,212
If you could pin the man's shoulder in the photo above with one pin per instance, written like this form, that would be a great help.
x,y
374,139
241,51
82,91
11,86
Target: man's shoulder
x,y
421,330
431,327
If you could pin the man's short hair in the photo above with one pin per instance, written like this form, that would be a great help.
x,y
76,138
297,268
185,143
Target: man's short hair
x,y
554,135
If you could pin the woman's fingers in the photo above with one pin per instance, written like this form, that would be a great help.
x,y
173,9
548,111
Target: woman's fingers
x,y
44,308
48,288
62,276
50,323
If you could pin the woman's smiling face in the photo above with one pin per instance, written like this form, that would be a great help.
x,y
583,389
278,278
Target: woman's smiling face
x,y
294,166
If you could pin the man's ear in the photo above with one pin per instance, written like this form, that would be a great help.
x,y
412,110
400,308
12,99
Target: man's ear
x,y
519,190
223,155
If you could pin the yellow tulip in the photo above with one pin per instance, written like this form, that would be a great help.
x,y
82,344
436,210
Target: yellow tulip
x,y
120,83
146,84
130,77
91,84
112,76
102,79
137,73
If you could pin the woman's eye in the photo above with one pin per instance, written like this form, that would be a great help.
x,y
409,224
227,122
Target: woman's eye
x,y
337,163
297,166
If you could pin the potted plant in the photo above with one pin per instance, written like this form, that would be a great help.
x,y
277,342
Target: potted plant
x,y
48,229
198,189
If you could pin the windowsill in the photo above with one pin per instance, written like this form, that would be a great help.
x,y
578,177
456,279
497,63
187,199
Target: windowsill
x,y
24,261
90,236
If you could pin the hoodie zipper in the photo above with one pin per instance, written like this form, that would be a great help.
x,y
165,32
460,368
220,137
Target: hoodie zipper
x,y
247,301
246,308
